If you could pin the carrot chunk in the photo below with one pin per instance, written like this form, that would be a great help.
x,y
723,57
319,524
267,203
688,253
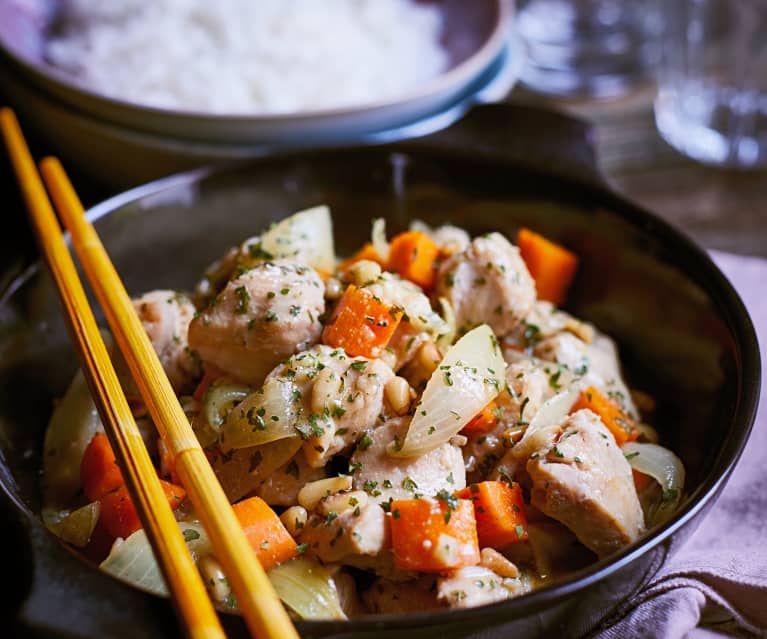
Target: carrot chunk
x,y
267,535
617,422
483,422
118,513
413,254
367,252
433,535
500,512
551,265
99,472
362,324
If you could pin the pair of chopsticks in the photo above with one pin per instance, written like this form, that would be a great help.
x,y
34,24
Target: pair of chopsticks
x,y
256,598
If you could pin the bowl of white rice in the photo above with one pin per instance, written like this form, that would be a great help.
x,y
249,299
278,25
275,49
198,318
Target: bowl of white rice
x,y
265,74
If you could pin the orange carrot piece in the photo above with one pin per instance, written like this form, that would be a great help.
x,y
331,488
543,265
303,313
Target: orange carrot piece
x,y
551,265
617,422
367,252
362,324
267,535
413,254
500,513
641,481
434,535
484,421
99,472
118,514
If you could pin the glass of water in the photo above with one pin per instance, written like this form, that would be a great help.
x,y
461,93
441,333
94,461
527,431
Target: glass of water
x,y
588,48
712,97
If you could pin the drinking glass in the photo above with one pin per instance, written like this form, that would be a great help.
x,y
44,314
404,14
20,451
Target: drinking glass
x,y
712,97
588,48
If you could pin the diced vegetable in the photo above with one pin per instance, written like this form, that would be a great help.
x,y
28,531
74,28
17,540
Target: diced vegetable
x,y
266,533
378,240
500,512
552,266
306,235
264,416
118,514
362,324
470,376
77,527
132,559
72,426
367,252
413,254
433,535
665,468
617,422
99,471
307,588
242,470
219,399
483,422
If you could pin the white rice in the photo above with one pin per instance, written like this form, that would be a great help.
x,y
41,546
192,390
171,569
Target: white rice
x,y
250,56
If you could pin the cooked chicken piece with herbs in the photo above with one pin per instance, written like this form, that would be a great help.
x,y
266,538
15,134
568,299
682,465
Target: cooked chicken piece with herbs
x,y
581,478
165,316
385,477
476,586
487,283
360,529
337,397
261,317
281,487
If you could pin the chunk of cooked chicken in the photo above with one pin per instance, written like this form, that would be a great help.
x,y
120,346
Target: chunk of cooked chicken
x,y
476,586
337,398
165,316
385,477
487,283
581,478
333,536
261,317
281,487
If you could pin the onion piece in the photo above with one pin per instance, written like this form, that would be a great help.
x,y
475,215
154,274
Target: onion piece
x,y
306,235
132,560
74,422
378,239
665,468
243,470
469,377
219,400
266,415
445,339
554,410
77,527
307,588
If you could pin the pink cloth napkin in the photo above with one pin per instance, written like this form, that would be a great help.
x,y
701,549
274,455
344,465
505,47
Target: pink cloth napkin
x,y
716,586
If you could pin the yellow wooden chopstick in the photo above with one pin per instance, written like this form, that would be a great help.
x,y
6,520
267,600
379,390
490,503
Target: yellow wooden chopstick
x,y
188,592
256,598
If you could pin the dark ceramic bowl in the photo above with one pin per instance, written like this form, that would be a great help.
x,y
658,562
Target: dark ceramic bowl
x,y
683,332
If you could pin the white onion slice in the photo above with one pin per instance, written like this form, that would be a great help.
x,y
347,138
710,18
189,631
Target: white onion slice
x,y
306,235
266,415
132,559
469,377
665,468
378,239
307,588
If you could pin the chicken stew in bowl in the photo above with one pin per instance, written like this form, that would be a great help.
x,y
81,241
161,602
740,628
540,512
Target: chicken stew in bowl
x,y
415,426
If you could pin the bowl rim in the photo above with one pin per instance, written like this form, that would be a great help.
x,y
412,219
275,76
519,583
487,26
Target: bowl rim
x,y
723,297
455,77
